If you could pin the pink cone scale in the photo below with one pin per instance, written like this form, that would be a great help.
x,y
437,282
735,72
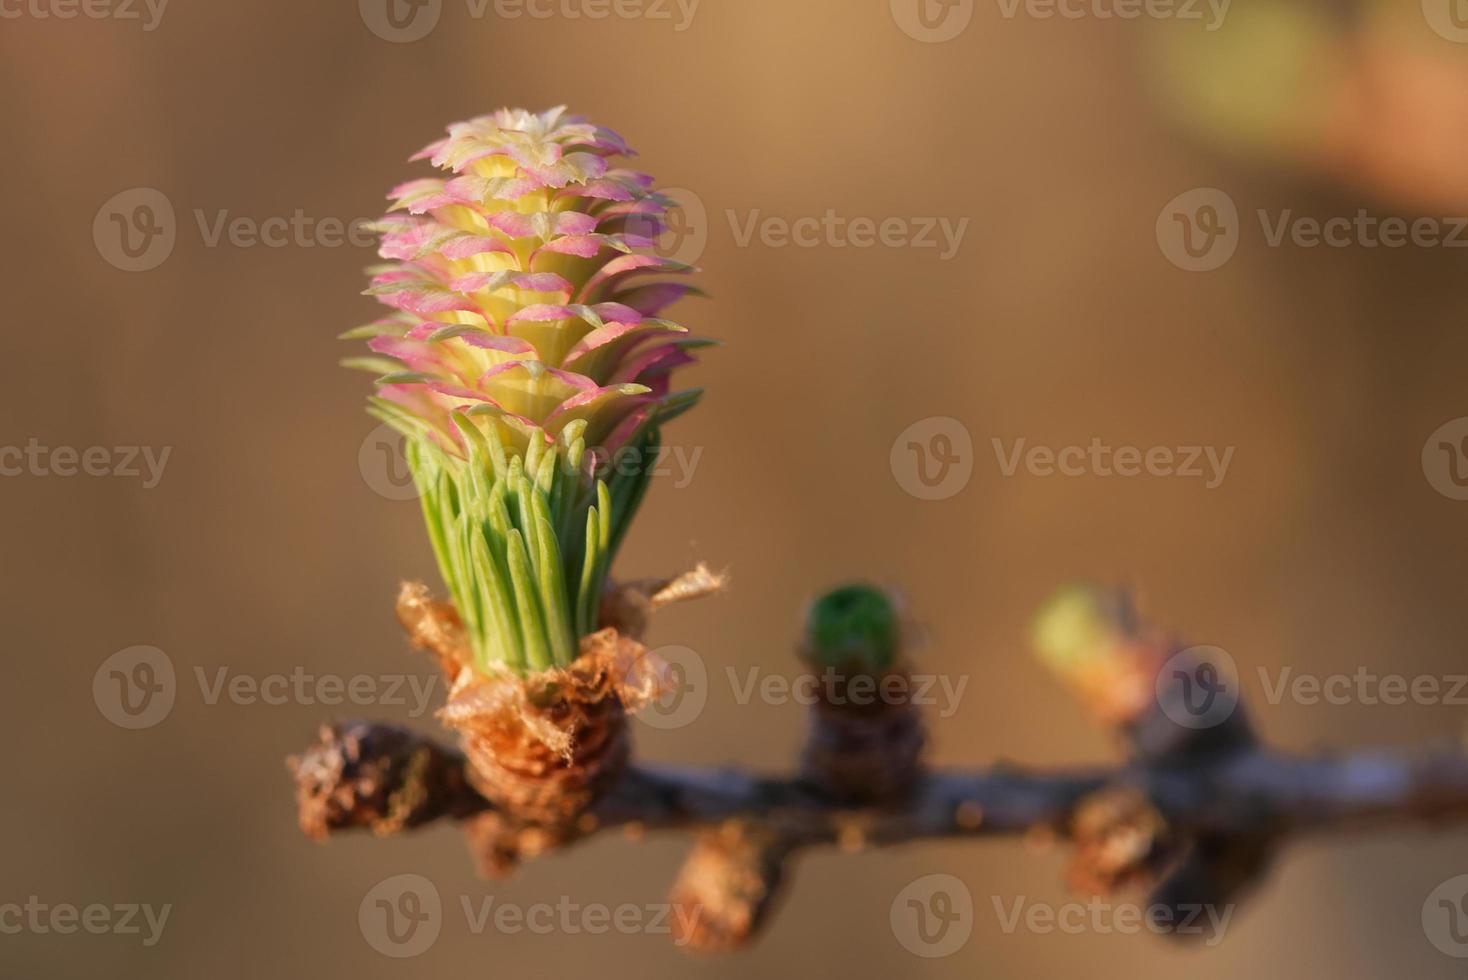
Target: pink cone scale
x,y
528,363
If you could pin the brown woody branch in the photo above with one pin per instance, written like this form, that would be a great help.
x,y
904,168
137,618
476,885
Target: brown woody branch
x,y
362,775
1197,814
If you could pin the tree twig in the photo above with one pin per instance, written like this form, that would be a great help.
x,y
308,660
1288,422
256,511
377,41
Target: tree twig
x,y
1196,814
361,775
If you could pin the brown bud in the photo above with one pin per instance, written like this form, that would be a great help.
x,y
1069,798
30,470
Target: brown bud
x,y
533,778
433,626
1208,884
500,843
1120,840
864,747
727,887
375,776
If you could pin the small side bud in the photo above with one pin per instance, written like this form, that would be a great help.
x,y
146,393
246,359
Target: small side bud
x,y
1091,640
1121,840
1196,902
499,843
866,737
1170,702
374,776
727,887
854,628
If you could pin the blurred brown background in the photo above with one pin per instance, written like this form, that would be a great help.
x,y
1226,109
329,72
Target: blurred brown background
x,y
264,550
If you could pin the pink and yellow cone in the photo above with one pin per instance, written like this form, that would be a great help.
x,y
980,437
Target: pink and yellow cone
x,y
528,363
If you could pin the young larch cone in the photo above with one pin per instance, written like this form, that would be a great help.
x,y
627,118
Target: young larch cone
x,y
866,737
527,362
